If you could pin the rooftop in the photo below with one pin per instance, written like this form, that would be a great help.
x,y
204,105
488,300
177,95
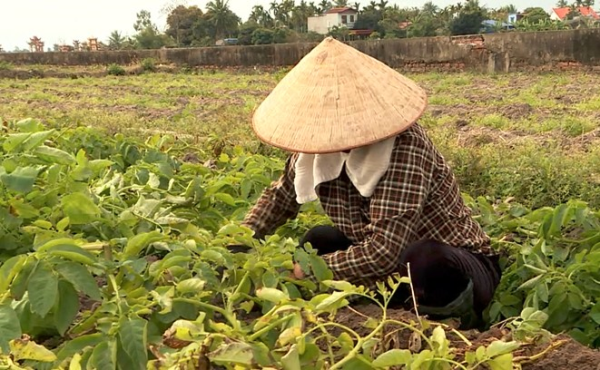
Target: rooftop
x,y
585,11
341,10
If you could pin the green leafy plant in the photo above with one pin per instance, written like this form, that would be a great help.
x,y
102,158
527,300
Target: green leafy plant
x,y
149,65
115,70
554,265
111,248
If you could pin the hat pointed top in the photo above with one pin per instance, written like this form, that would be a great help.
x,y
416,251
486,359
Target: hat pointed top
x,y
337,98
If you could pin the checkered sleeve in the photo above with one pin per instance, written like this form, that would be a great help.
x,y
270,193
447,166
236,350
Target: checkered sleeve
x,y
395,206
276,205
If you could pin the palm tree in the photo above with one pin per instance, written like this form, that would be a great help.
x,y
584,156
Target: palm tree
x,y
285,11
261,16
300,15
115,40
324,5
222,18
430,8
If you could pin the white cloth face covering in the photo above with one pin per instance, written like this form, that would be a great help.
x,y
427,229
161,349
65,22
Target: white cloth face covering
x,y
365,166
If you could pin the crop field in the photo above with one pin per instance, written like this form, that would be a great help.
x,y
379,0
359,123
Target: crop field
x,y
120,194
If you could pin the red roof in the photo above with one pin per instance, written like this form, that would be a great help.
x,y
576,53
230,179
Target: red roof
x,y
586,11
340,10
404,24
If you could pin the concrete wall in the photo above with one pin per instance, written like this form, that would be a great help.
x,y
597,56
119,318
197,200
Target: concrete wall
x,y
500,52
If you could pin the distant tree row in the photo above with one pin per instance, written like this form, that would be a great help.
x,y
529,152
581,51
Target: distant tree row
x,y
287,20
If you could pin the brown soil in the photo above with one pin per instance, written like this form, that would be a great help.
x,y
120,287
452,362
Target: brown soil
x,y
23,72
516,111
567,354
473,136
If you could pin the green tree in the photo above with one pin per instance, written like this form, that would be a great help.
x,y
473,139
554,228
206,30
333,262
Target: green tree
x,y
369,18
389,25
148,36
535,15
116,41
502,13
430,9
246,32
300,14
203,32
562,4
588,3
281,34
262,36
261,16
225,21
469,19
424,25
339,33
324,5
180,24
143,20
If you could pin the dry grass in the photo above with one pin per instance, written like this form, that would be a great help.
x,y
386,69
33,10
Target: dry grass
x,y
531,136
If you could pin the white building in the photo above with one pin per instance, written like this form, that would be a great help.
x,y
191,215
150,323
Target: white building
x,y
340,17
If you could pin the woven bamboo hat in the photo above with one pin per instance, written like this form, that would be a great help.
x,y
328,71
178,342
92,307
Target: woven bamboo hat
x,y
337,98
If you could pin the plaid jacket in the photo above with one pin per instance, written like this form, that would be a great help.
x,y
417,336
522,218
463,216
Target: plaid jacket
x,y
417,198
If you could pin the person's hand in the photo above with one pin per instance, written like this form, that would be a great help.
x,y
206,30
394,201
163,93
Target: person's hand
x,y
298,273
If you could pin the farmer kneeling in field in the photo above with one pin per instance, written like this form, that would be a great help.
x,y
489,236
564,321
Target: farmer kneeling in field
x,y
350,122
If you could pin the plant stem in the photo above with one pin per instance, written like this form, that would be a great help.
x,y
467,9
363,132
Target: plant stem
x,y
526,359
237,290
329,350
359,344
268,327
414,297
235,322
358,313
458,333
115,287
448,361
4,297
334,324
379,327
209,306
407,326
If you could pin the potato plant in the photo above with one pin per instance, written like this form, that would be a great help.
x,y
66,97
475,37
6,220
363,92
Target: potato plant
x,y
113,256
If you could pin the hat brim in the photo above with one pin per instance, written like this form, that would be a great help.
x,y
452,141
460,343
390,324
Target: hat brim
x,y
337,98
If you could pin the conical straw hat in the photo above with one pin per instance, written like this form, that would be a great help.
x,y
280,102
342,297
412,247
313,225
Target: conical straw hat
x,y
337,98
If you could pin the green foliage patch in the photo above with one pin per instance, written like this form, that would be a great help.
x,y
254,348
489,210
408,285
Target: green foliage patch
x,y
110,249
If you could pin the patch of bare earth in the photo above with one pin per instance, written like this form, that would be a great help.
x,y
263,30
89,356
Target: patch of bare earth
x,y
562,354
25,73
477,135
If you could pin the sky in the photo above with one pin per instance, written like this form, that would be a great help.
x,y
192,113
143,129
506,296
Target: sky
x,y
62,21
